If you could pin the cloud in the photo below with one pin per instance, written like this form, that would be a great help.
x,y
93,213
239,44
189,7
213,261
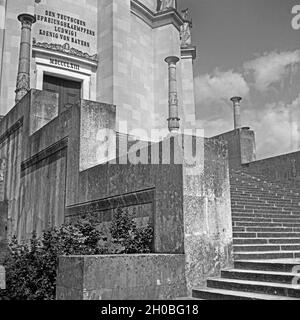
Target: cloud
x,y
216,126
276,128
220,86
271,68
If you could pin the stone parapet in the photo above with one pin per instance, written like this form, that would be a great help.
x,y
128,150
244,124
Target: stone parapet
x,y
121,277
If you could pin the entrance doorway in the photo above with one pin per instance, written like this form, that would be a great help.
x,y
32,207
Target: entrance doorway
x,y
69,91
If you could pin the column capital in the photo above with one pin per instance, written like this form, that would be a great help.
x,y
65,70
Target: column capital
x,y
26,19
172,60
236,99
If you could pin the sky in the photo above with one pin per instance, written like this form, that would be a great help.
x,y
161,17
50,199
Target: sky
x,y
248,48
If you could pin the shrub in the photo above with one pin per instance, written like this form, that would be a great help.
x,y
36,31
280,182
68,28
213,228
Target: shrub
x,y
31,268
125,233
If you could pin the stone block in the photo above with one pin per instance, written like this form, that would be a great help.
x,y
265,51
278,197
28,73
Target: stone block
x,y
43,109
97,134
121,277
207,214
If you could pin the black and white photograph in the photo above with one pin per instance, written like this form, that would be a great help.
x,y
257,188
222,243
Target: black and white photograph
x,y
149,151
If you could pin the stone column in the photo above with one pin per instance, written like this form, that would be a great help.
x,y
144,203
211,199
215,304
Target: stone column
x,y
2,31
173,96
23,78
237,112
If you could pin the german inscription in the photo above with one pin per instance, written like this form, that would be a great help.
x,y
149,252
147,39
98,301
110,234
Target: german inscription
x,y
65,28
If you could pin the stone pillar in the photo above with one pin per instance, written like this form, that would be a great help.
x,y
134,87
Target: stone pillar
x,y
2,31
237,112
23,78
173,95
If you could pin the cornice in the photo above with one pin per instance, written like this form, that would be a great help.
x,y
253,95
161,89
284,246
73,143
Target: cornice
x,y
156,19
65,49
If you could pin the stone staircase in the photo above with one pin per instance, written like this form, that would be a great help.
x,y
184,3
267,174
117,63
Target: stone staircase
x,y
266,238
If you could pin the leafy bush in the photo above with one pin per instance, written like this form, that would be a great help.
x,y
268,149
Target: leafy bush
x,y
124,233
31,268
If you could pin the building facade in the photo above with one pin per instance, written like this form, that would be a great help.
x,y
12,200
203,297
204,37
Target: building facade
x,y
96,67
110,51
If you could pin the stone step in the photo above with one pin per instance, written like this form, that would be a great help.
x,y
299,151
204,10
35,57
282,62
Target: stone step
x,y
219,294
187,299
277,289
268,265
237,215
265,229
253,186
280,241
269,247
265,213
273,196
283,194
265,210
247,204
236,195
247,189
259,224
257,187
268,209
266,235
262,276
241,218
266,255
250,201
263,204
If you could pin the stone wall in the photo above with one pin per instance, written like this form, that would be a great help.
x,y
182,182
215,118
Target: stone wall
x,y
44,183
207,213
140,205
241,146
188,88
125,277
126,182
41,152
136,81
281,168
